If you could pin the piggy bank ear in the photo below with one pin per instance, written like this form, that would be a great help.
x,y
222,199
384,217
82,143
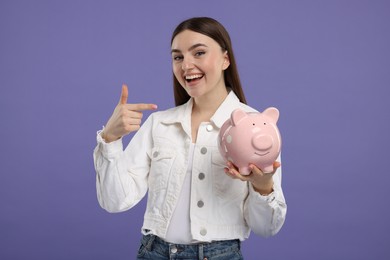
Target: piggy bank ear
x,y
237,116
272,113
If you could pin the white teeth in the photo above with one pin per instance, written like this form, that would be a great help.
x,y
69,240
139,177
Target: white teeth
x,y
193,76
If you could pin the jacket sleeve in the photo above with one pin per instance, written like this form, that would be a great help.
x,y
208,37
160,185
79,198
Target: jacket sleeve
x,y
121,175
265,215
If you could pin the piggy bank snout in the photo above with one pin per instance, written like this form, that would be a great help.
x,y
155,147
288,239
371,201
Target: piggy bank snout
x,y
262,142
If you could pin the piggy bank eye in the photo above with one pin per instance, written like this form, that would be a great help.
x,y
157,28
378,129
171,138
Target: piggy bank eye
x,y
253,124
265,123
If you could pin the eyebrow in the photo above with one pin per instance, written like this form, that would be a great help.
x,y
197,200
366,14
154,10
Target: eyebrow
x,y
191,48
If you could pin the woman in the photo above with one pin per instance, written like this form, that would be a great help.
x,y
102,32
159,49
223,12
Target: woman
x,y
198,207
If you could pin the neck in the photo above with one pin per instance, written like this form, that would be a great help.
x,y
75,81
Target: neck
x,y
208,104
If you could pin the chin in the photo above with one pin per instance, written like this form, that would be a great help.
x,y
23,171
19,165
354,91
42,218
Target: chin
x,y
195,93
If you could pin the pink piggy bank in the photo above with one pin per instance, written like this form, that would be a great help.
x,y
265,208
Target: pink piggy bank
x,y
251,137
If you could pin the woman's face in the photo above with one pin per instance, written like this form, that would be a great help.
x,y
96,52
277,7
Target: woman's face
x,y
198,63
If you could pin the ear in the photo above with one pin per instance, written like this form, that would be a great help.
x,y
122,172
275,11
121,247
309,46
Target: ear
x,y
237,116
273,113
226,61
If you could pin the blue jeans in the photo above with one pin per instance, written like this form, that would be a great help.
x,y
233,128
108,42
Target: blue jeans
x,y
153,247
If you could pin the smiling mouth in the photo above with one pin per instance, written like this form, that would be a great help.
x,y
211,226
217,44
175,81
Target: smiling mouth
x,y
261,154
190,78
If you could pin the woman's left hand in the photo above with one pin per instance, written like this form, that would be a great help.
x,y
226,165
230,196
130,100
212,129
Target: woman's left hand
x,y
262,182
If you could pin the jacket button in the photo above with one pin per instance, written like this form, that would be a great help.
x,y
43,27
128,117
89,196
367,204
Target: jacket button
x,y
201,176
203,232
155,154
203,150
200,204
209,128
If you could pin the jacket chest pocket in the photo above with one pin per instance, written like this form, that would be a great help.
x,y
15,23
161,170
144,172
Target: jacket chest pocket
x,y
224,186
160,169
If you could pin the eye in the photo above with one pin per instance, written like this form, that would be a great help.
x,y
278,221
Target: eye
x,y
199,53
253,124
265,123
177,58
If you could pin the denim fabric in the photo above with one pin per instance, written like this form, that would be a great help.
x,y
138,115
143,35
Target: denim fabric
x,y
153,247
155,163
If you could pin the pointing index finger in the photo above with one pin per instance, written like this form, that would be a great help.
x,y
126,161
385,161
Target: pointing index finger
x,y
142,107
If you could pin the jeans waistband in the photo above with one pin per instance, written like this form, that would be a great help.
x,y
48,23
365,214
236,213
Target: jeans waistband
x,y
152,243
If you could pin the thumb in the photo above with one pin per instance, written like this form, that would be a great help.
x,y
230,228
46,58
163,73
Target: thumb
x,y
277,165
124,94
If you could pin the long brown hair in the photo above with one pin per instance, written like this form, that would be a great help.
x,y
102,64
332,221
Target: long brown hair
x,y
216,31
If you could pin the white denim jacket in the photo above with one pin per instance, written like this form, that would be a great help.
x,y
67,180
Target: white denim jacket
x,y
156,160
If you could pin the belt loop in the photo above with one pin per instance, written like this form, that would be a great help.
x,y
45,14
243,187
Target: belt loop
x,y
150,242
200,251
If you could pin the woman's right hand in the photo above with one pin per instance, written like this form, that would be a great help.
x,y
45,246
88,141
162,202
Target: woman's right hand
x,y
125,119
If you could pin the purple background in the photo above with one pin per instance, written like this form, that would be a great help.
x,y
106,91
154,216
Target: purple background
x,y
324,64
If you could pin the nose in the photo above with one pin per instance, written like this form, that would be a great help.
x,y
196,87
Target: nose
x,y
187,64
262,142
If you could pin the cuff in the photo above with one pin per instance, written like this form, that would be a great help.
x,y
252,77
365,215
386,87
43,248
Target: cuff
x,y
109,149
263,198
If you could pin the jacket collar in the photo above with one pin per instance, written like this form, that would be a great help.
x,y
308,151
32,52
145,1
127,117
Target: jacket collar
x,y
182,114
230,103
